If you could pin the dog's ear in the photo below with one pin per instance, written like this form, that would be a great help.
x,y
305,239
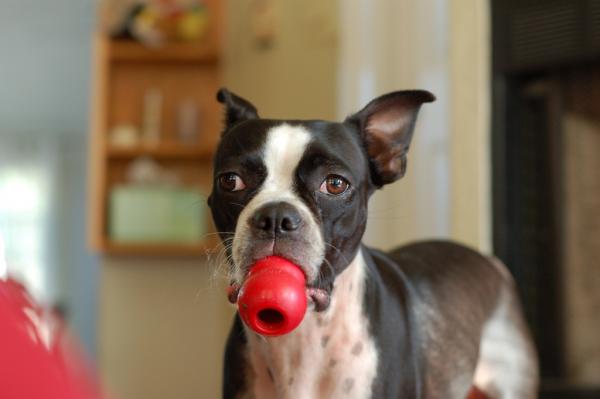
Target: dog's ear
x,y
237,109
387,125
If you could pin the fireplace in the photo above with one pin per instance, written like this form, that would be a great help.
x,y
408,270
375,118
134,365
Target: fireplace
x,y
546,179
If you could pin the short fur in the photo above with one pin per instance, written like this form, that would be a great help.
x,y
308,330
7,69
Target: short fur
x,y
428,320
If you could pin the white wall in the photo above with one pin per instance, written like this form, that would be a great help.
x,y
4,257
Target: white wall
x,y
293,77
393,45
470,103
163,327
439,46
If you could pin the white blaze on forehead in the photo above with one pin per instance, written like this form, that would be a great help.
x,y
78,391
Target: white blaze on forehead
x,y
282,152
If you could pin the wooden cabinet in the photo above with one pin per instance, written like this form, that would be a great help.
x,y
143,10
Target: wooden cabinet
x,y
124,72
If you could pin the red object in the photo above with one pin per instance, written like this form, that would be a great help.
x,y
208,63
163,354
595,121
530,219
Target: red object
x,y
272,301
35,361
476,394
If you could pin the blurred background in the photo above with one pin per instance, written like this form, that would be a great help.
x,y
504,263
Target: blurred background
x,y
108,124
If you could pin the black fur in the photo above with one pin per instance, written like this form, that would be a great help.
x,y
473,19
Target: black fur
x,y
426,303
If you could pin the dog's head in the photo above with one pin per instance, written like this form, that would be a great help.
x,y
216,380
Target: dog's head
x,y
299,188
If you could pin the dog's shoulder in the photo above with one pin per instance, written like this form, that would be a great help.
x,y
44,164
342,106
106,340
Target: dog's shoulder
x,y
441,271
433,250
447,293
443,261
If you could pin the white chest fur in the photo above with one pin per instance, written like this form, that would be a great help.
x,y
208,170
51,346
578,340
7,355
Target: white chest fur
x,y
330,355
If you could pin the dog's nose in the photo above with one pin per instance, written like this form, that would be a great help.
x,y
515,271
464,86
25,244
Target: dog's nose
x,y
276,218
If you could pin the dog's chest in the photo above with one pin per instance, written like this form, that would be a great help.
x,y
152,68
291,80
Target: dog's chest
x,y
330,355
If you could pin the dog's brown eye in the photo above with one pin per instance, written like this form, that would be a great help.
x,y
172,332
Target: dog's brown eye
x,y
334,185
231,182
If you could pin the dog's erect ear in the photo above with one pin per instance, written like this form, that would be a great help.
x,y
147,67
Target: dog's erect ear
x,y
387,125
237,109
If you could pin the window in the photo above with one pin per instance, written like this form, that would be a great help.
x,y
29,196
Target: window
x,y
24,217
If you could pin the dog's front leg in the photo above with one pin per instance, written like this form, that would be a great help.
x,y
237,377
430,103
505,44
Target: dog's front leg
x,y
235,385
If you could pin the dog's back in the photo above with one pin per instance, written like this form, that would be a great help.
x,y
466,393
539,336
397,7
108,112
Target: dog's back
x,y
465,320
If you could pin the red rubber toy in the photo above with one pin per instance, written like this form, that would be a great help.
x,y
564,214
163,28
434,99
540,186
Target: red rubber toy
x,y
36,361
273,301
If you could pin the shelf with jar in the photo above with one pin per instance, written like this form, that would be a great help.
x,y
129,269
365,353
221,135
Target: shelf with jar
x,y
155,125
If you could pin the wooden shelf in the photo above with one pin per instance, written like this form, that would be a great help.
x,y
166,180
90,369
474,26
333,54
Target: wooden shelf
x,y
179,52
124,72
163,151
207,246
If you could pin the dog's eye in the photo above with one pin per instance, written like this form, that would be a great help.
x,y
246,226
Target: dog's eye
x,y
334,185
231,182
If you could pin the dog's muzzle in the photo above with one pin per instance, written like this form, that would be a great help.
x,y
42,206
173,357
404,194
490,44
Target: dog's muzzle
x,y
279,228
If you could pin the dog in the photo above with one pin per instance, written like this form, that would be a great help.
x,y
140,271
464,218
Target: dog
x,y
428,320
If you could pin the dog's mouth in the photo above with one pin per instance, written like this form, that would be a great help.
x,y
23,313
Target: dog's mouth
x,y
319,297
296,251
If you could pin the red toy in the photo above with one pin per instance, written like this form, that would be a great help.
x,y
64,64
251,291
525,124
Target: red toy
x,y
35,359
273,301
476,394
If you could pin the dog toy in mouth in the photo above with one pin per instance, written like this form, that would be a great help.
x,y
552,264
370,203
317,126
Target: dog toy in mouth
x,y
273,301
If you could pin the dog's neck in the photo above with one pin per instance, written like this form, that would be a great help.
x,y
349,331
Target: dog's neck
x,y
329,355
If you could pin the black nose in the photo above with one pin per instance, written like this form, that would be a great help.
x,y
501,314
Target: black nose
x,y
276,218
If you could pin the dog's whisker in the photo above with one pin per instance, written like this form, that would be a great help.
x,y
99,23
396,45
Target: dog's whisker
x,y
217,233
216,261
346,261
221,262
320,274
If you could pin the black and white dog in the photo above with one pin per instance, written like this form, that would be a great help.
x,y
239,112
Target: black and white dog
x,y
428,320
